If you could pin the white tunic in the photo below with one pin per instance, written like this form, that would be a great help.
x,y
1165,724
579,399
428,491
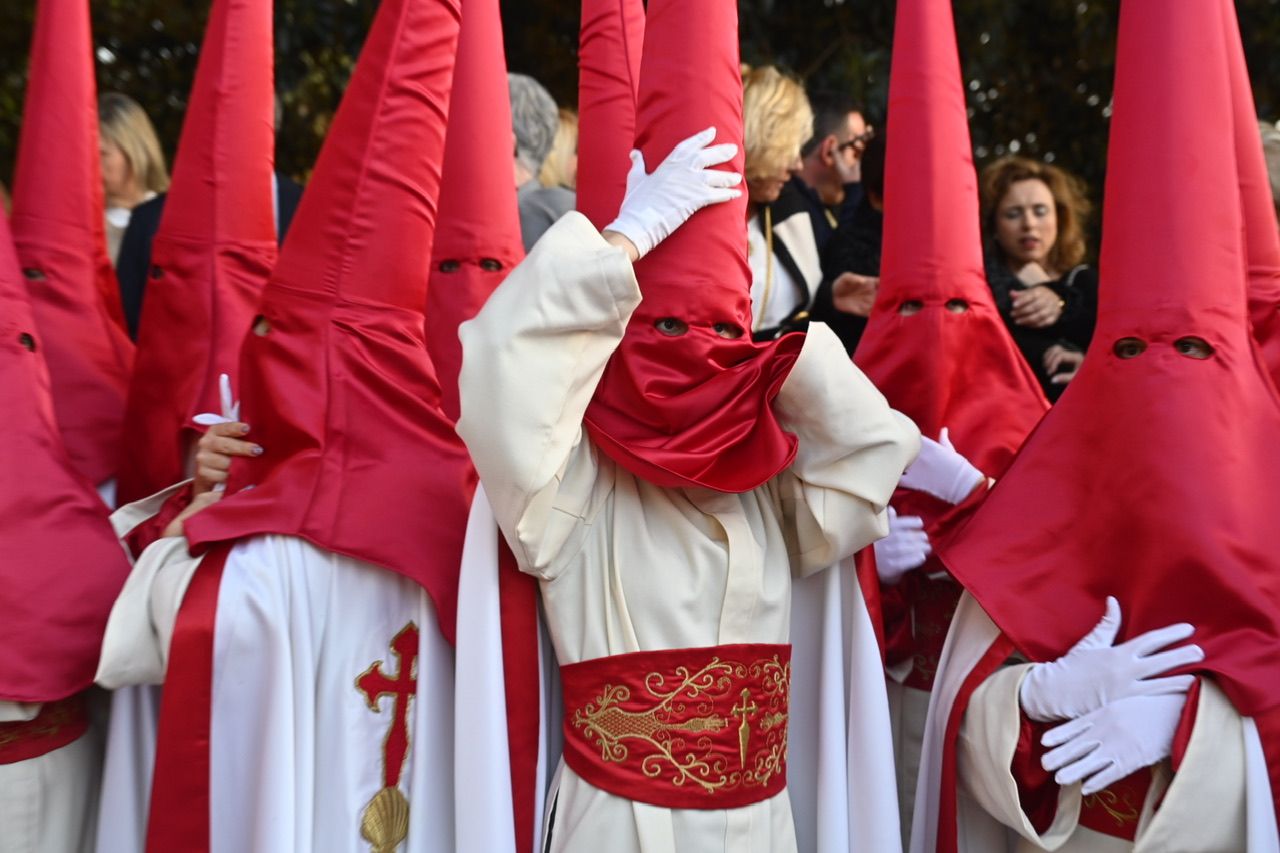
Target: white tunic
x,y
296,752
629,566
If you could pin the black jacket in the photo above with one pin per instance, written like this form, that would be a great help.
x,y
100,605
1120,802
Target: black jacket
x,y
1078,289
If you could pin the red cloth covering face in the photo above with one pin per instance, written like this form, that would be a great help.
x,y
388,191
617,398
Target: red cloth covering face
x,y
942,368
213,252
609,47
1262,240
60,564
477,238
694,410
1154,478
60,236
360,459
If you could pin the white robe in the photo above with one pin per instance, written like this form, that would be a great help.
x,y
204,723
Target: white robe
x,y
48,804
296,751
628,566
1219,800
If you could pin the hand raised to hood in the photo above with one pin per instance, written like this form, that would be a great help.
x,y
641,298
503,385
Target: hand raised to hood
x,y
659,202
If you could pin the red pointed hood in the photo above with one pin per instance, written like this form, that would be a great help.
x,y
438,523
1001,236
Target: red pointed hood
x,y
609,48
1262,240
694,410
60,564
1154,477
340,391
477,239
213,252
951,363
59,233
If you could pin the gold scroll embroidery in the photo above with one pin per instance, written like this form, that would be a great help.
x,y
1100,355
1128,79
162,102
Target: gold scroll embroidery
x,y
683,710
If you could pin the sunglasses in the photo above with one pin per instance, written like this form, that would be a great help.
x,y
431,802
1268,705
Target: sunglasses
x,y
859,142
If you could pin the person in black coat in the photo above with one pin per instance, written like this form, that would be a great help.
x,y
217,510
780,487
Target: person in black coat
x,y
133,266
851,261
1033,215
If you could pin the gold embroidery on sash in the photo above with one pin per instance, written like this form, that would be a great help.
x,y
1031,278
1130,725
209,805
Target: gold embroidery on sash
x,y
686,704
1118,807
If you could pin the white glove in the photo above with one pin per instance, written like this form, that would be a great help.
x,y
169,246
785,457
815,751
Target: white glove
x,y
1108,744
941,471
657,204
1095,673
905,548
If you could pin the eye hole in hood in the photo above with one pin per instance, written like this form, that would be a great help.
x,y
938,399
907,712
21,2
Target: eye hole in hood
x,y
671,327
729,331
1129,347
1193,347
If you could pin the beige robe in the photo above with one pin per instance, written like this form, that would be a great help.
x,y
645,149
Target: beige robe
x,y
1216,802
628,566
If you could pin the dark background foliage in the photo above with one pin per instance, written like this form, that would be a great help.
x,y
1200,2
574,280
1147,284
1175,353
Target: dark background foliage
x,y
1038,75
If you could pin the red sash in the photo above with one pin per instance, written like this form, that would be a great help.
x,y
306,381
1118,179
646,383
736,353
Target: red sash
x,y
682,728
58,724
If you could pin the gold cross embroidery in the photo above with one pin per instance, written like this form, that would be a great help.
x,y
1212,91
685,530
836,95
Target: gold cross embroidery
x,y
744,728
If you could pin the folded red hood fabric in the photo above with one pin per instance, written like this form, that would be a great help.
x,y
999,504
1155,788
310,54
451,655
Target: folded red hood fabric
x,y
1154,477
609,47
60,236
335,380
477,239
61,566
1262,240
935,344
213,252
694,410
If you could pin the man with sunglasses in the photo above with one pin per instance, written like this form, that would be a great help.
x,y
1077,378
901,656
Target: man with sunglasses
x,y
830,181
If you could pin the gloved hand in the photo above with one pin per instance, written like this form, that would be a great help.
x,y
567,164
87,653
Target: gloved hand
x,y
941,471
905,548
1095,672
658,203
1117,739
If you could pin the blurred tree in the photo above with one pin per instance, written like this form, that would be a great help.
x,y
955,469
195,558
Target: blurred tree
x,y
1038,76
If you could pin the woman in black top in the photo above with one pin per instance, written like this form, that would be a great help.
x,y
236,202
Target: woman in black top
x,y
1033,214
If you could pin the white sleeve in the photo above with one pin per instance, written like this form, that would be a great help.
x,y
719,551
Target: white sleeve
x,y
531,360
984,757
852,450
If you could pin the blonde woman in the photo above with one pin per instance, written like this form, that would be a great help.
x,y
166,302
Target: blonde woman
x,y
133,168
560,169
785,266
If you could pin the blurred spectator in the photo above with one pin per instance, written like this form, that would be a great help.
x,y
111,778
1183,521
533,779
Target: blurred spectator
x,y
1033,214
1271,147
830,180
535,120
133,168
560,169
785,267
5,201
851,262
